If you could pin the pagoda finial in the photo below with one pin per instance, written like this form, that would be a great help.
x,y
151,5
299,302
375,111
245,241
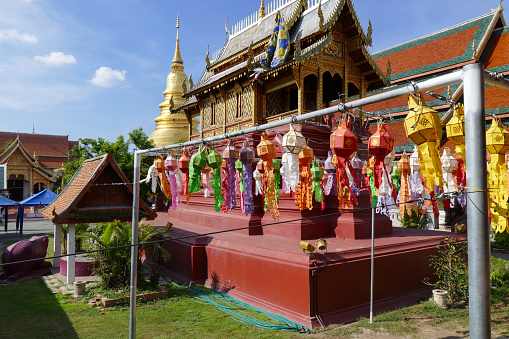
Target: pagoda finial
x,y
261,12
226,26
177,58
207,58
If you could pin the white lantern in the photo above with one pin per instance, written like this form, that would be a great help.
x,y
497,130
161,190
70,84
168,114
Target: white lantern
x,y
293,141
414,161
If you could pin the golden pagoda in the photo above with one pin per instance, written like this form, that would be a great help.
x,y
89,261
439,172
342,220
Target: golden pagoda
x,y
173,127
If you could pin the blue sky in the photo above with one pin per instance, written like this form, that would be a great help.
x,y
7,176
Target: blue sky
x,y
98,68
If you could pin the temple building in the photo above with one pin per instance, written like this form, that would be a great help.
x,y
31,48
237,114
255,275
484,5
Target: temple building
x,y
172,127
28,162
327,57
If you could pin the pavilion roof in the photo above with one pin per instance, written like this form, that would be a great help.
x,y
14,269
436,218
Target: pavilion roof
x,y
437,51
98,192
302,23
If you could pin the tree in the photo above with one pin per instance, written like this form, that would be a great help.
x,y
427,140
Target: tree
x,y
122,151
6,146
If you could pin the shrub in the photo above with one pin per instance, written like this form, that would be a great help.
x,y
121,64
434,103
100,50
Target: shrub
x,y
451,268
501,241
499,272
115,264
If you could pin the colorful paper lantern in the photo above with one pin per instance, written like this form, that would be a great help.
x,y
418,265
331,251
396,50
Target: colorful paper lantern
x,y
497,143
424,127
331,187
406,196
165,187
456,133
230,155
380,144
317,174
293,140
246,156
343,142
266,150
196,165
215,161
292,143
184,162
171,164
303,193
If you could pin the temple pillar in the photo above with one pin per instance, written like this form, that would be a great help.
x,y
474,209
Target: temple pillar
x,y
57,243
71,250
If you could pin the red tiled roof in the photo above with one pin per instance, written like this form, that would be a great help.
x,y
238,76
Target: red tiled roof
x,y
40,144
435,51
499,54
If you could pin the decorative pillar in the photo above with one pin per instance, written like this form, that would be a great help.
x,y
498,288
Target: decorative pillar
x,y
71,267
57,244
319,92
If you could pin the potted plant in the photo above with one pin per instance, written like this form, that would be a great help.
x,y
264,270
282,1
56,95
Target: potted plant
x,y
451,271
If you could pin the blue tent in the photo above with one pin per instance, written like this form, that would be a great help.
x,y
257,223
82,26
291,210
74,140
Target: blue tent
x,y
6,203
43,198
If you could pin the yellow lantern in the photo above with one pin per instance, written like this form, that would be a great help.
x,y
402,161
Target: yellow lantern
x,y
497,138
497,143
422,123
455,128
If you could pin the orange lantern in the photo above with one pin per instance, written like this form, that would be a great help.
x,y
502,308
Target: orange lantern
x,y
303,196
266,150
380,144
343,142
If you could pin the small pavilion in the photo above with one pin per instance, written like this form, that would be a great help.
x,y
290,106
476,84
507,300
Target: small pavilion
x,y
98,192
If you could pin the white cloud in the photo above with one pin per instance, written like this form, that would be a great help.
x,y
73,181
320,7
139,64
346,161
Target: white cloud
x,y
56,59
13,36
107,77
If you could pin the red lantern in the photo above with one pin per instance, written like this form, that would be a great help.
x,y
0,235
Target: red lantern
x,y
343,142
184,161
380,144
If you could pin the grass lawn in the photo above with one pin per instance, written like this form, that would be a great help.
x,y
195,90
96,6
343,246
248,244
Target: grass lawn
x,y
31,310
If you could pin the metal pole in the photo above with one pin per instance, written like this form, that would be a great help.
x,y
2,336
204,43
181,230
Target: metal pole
x,y
372,264
134,248
477,206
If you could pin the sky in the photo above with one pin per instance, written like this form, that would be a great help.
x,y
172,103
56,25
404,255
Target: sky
x,y
98,68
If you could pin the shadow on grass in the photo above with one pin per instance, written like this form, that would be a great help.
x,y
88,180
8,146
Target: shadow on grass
x,y
31,310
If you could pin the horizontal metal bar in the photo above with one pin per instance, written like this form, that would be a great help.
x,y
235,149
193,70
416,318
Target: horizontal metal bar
x,y
496,79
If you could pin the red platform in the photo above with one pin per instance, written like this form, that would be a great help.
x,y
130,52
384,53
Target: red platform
x,y
272,273
262,264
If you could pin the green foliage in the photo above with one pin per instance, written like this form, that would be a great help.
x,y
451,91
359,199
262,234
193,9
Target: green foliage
x,y
115,264
81,230
412,221
451,268
6,146
122,151
501,241
499,272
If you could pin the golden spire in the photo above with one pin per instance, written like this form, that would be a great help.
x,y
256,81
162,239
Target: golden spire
x,y
177,58
261,12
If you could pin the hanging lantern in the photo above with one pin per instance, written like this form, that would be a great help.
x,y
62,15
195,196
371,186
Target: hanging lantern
x,y
497,143
317,174
205,181
230,155
424,127
293,140
165,187
396,176
171,164
414,161
184,161
196,165
292,143
380,144
215,161
343,142
331,187
422,123
303,196
267,152
246,156
405,192
456,133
